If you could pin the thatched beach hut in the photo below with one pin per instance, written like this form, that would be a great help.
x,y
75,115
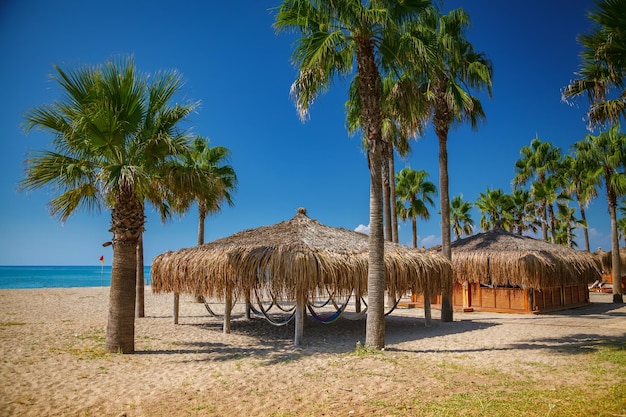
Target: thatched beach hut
x,y
294,260
501,271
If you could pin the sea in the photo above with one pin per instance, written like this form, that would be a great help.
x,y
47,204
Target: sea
x,y
15,277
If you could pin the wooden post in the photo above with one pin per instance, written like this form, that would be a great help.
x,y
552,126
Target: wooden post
x,y
248,302
176,303
427,312
228,306
300,316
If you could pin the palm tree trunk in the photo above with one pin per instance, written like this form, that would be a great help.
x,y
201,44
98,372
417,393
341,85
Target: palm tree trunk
x,y
446,288
393,198
615,258
583,217
141,283
386,198
544,220
552,222
375,326
369,91
127,220
414,231
201,218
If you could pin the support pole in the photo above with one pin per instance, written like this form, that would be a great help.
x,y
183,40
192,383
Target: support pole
x,y
176,304
300,316
228,306
427,313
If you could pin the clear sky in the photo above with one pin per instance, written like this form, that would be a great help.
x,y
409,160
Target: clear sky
x,y
241,71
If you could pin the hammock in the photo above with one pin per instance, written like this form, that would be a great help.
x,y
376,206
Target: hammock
x,y
264,311
333,317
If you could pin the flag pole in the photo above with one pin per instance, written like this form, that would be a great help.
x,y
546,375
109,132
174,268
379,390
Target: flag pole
x,y
102,271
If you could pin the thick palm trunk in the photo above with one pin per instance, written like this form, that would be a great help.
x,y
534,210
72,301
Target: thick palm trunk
x,y
386,199
444,202
583,217
369,91
140,310
392,195
127,220
616,270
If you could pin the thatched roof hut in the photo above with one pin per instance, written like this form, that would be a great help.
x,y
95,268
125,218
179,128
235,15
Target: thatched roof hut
x,y
299,256
502,258
606,259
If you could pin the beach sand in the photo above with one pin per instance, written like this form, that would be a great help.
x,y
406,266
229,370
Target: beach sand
x,y
53,362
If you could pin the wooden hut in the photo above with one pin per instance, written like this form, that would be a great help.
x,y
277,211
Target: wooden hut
x,y
501,271
295,260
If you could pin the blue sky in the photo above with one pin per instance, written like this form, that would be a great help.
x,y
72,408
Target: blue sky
x,y
241,71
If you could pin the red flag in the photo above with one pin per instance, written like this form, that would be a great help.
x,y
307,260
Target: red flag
x,y
102,258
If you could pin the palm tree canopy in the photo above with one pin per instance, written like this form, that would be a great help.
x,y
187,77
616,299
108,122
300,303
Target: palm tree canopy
x,y
113,131
296,255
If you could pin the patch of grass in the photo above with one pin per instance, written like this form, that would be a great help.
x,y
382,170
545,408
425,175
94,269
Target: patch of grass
x,y
11,323
362,350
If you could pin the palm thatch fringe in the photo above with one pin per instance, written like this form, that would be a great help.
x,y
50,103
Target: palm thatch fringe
x,y
299,256
606,260
501,258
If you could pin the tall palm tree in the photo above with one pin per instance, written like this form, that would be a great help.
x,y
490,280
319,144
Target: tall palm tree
x,y
566,224
211,162
548,192
404,115
415,194
462,223
494,206
457,71
602,72
621,222
582,186
538,161
334,36
605,156
523,212
112,133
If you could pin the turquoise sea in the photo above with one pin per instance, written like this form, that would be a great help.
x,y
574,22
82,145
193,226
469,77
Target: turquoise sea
x,y
57,276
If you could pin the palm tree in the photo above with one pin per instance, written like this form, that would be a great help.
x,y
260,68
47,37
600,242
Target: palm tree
x,y
494,206
605,156
210,162
334,36
548,193
404,116
537,162
462,223
523,212
621,222
602,71
112,134
415,194
566,224
582,186
457,70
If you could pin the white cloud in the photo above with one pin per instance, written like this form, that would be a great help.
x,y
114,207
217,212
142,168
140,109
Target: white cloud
x,y
430,241
363,229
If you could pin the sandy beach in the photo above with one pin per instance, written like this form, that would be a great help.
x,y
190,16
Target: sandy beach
x,y
53,361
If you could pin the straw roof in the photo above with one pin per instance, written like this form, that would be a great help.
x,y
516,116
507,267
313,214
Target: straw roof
x,y
499,257
296,256
605,259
